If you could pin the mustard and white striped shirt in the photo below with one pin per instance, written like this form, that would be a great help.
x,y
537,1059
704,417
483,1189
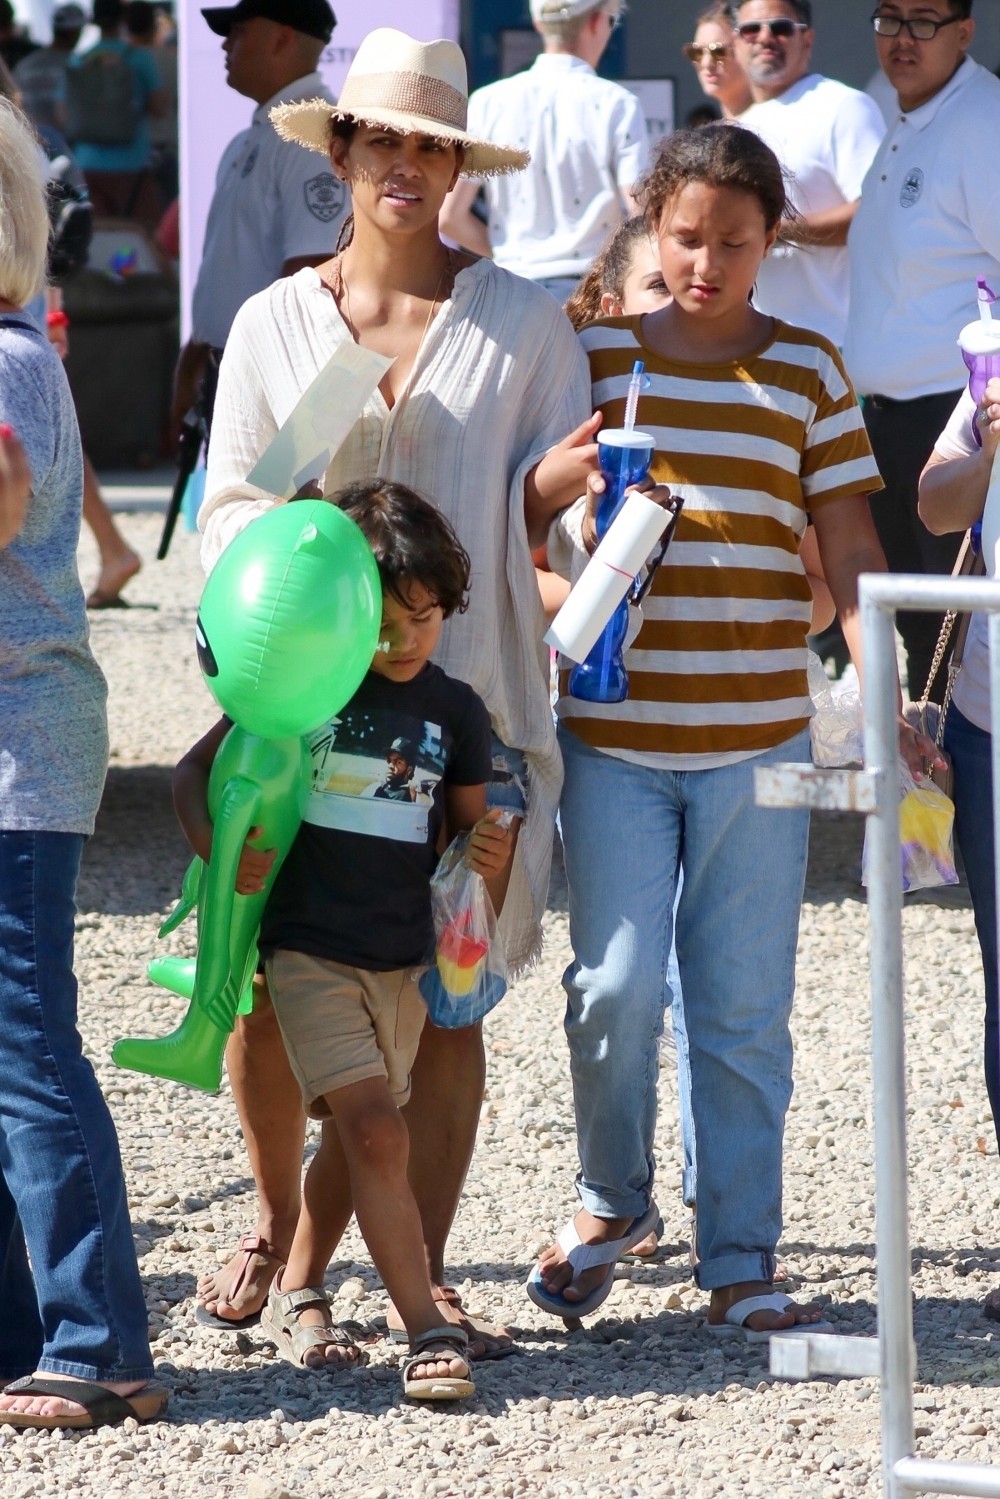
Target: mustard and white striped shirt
x,y
717,673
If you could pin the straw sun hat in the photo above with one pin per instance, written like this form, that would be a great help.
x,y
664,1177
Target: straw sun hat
x,y
401,84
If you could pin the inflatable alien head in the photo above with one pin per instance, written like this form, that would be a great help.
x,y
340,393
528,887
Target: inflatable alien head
x,y
289,620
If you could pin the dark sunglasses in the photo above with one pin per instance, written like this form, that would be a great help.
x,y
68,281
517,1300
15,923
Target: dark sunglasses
x,y
695,51
781,30
921,30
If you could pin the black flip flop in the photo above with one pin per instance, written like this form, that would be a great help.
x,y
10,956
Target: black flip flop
x,y
101,1406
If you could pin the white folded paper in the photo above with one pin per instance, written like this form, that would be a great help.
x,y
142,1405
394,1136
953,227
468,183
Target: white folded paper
x,y
607,577
303,446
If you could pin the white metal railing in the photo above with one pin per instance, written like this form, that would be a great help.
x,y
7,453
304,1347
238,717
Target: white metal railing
x,y
875,792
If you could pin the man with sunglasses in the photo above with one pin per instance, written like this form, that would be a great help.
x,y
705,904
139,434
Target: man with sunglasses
x,y
588,143
825,136
928,225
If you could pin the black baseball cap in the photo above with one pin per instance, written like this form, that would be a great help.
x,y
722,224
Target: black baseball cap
x,y
313,17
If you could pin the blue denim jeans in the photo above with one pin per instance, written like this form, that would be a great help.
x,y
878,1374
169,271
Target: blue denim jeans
x,y
626,830
971,750
682,1057
79,1308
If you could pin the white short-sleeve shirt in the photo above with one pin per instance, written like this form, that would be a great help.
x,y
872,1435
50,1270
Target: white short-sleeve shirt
x,y
927,226
825,135
588,143
273,202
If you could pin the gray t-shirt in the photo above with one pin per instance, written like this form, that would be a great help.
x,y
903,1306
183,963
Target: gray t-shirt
x,y
53,720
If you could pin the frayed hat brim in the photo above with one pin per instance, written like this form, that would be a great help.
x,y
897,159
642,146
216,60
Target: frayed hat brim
x,y
307,123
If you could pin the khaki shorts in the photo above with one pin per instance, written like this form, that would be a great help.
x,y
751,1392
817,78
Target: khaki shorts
x,y
342,1025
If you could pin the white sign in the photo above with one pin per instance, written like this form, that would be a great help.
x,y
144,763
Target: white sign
x,y
656,95
211,113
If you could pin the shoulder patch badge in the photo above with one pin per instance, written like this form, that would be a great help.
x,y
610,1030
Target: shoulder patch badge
x,y
324,196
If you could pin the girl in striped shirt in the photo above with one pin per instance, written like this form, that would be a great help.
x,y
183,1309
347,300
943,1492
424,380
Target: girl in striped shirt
x,y
757,426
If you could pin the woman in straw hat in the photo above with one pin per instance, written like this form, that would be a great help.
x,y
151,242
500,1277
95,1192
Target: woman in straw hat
x,y
474,412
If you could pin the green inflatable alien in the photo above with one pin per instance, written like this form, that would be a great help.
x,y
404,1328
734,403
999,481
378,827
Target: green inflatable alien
x,y
287,627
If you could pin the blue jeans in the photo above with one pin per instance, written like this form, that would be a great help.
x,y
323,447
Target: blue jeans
x,y
678,1028
79,1308
626,829
971,750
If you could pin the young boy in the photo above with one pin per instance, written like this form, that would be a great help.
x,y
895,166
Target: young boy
x,y
347,922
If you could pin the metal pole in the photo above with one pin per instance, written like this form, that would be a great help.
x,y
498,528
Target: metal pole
x,y
885,903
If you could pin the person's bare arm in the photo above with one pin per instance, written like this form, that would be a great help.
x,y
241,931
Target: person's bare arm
x,y
15,486
848,546
824,610
559,478
190,788
157,104
491,846
827,227
459,223
953,490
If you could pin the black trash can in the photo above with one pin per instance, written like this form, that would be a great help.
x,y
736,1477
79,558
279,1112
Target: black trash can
x,y
123,342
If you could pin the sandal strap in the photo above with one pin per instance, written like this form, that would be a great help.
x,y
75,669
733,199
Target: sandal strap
x,y
454,1338
304,1338
250,1245
288,1304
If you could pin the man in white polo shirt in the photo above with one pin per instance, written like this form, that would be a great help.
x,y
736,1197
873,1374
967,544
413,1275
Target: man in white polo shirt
x,y
275,209
588,144
825,136
927,227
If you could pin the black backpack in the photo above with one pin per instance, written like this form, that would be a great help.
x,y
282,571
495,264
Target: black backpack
x,y
102,103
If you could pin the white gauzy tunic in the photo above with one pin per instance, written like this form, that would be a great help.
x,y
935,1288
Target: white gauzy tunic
x,y
500,378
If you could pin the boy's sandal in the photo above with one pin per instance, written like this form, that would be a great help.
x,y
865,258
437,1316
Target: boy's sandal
x,y
280,1324
485,1340
428,1348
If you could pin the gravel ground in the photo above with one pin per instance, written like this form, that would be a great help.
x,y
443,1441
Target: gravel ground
x,y
639,1403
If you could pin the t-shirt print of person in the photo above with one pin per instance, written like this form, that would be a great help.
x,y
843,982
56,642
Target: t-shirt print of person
x,y
375,772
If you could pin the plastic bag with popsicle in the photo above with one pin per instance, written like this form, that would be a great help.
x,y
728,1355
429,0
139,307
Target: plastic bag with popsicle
x,y
926,852
469,974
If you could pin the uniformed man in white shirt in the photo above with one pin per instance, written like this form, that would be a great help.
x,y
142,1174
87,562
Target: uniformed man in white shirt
x,y
275,208
927,227
825,136
588,143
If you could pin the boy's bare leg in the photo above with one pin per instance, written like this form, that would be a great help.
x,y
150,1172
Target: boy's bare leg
x,y
368,1132
269,1104
118,561
451,1067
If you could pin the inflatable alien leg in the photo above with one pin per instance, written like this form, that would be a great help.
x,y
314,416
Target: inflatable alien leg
x,y
262,782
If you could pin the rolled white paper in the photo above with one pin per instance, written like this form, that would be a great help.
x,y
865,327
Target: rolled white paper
x,y
607,577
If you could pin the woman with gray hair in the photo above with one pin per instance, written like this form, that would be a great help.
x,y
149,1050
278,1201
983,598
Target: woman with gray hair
x,y
73,1336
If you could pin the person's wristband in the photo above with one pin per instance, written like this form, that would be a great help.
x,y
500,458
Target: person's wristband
x,y
57,318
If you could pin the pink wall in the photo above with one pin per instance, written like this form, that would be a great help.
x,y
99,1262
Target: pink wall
x,y
211,113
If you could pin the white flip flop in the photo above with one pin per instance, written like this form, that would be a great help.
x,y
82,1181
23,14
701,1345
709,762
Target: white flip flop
x,y
583,1257
776,1301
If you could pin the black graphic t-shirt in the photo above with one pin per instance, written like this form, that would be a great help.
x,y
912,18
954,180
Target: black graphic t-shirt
x,y
355,886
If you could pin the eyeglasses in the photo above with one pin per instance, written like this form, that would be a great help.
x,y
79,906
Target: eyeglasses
x,y
781,30
920,30
695,51
615,17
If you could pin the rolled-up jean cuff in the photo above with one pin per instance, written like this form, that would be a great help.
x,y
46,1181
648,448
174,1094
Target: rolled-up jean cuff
x,y
605,1205
733,1269
508,786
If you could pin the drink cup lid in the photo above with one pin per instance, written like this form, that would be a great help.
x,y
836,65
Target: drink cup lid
x,y
620,437
977,338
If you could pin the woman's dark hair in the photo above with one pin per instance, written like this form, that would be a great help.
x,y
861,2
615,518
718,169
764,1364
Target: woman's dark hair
x,y
721,155
608,272
411,540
